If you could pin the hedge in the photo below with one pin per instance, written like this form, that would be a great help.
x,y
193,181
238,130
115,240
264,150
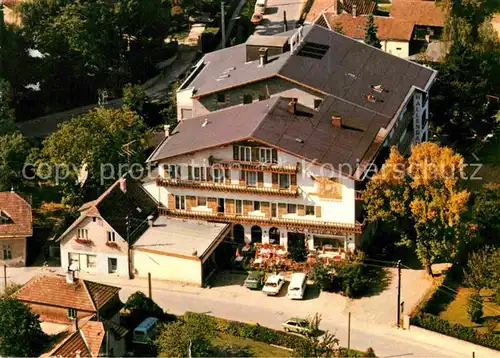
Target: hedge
x,y
245,330
436,324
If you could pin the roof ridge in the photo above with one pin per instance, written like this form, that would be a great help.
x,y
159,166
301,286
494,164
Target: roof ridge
x,y
89,294
82,335
269,110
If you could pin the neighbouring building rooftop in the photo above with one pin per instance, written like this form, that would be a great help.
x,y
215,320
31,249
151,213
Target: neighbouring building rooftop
x,y
186,238
15,215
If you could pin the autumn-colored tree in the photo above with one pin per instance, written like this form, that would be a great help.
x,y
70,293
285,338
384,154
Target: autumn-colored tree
x,y
421,198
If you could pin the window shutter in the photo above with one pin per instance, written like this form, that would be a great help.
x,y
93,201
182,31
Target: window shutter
x,y
318,211
236,152
275,180
301,210
242,177
281,209
255,154
274,155
190,172
247,207
227,175
209,174
230,206
171,201
212,203
293,180
264,207
190,202
178,167
260,179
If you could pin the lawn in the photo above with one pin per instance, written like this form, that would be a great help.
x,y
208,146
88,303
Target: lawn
x,y
254,348
456,312
489,161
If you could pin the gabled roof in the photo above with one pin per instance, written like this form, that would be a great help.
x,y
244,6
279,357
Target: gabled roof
x,y
55,291
86,342
307,134
18,211
115,205
318,7
346,71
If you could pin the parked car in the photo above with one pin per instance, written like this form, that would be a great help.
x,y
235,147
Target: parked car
x,y
256,18
254,280
260,6
273,285
297,286
297,325
145,332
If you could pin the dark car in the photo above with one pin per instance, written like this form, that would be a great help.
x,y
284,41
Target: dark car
x,y
255,280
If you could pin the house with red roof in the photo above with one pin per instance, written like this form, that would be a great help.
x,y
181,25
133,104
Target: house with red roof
x,y
16,225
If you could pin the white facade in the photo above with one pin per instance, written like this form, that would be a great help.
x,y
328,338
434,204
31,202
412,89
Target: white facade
x,y
97,256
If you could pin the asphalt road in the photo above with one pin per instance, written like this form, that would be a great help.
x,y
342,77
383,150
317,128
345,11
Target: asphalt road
x,y
383,341
273,22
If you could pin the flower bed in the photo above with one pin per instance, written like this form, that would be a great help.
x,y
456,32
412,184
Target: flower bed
x,y
84,241
112,244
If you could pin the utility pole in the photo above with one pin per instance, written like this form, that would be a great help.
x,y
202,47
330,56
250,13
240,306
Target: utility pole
x,y
223,24
129,249
349,334
4,274
150,291
285,24
399,293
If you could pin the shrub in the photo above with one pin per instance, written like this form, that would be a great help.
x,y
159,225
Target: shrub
x,y
369,353
436,324
475,307
496,296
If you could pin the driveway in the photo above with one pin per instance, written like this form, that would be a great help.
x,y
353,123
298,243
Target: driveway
x,y
273,22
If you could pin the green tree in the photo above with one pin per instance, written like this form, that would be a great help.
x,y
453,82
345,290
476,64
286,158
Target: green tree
x,y
94,143
371,33
483,269
185,338
326,345
475,307
486,213
134,98
20,331
421,198
138,303
6,111
13,153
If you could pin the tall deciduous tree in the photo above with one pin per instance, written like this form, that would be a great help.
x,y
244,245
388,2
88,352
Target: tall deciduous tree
x,y
486,213
421,197
483,269
94,142
20,331
371,33
6,110
184,338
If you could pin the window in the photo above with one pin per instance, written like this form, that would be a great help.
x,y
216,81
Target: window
x,y
91,260
317,104
247,98
256,205
74,261
112,265
251,178
174,171
239,207
7,253
71,313
221,97
218,175
180,202
265,155
186,113
111,236
94,219
245,154
292,209
199,173
83,234
284,180
398,48
202,201
329,187
309,210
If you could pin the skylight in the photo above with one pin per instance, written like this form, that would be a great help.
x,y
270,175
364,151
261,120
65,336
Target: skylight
x,y
313,50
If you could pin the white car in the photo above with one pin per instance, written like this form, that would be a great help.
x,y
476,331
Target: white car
x,y
273,285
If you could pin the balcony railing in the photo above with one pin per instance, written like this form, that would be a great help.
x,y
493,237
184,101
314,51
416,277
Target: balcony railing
x,y
257,166
232,188
311,226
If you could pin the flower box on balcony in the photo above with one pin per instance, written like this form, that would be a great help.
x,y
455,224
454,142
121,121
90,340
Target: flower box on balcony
x,y
112,244
83,241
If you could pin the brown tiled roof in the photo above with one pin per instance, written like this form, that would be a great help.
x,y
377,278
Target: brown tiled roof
x,y
19,211
387,28
87,341
54,290
405,14
318,6
363,7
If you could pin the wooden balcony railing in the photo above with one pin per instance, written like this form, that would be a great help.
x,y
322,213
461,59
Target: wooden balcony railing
x,y
257,166
310,226
230,188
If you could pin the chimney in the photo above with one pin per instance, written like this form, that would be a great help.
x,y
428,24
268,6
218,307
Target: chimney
x,y
354,10
337,121
70,276
150,220
166,128
262,56
292,106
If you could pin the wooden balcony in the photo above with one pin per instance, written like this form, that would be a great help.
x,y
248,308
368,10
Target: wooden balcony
x,y
229,188
310,226
257,166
